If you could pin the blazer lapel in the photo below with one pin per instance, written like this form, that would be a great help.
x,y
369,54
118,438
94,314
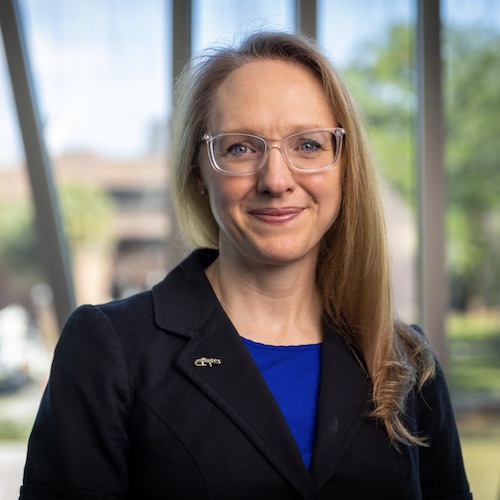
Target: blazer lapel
x,y
184,303
343,404
235,385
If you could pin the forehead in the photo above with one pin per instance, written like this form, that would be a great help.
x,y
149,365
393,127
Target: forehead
x,y
266,92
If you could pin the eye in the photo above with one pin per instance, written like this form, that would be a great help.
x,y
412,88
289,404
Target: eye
x,y
238,149
308,146
237,146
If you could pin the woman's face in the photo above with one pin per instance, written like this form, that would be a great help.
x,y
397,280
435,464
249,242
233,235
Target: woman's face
x,y
277,215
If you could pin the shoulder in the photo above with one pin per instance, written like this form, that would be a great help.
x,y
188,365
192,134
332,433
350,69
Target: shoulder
x,y
431,415
108,319
154,307
441,463
127,312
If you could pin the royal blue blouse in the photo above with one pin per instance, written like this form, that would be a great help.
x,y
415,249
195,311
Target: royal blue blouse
x,y
293,376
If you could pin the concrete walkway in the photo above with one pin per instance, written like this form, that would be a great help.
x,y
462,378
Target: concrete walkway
x,y
19,408
12,457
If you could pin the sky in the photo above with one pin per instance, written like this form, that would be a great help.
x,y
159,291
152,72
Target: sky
x,y
102,68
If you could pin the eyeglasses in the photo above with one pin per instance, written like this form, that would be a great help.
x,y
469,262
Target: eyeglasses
x,y
311,150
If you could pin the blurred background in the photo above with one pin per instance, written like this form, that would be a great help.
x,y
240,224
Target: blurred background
x,y
97,225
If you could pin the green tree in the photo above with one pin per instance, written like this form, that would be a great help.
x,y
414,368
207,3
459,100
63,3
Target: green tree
x,y
18,240
383,80
87,216
87,213
473,162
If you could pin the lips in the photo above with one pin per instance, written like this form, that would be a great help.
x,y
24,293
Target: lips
x,y
272,214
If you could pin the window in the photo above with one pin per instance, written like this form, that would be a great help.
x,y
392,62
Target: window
x,y
471,53
217,21
373,45
102,72
102,75
28,329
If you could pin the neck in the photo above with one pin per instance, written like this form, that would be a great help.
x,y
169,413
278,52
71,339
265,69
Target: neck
x,y
277,305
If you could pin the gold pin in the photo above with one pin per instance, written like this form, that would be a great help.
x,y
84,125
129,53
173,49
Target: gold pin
x,y
207,362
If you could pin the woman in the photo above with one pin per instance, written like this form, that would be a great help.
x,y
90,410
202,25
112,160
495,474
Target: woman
x,y
267,365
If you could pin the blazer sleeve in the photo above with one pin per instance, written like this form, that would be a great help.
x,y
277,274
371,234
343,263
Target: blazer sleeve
x,y
79,447
442,474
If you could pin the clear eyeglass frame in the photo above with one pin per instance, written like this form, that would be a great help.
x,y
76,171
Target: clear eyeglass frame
x,y
209,138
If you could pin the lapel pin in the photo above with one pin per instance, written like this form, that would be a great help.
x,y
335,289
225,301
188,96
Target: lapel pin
x,y
207,362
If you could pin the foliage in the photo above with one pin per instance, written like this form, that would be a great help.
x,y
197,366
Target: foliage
x,y
383,80
87,214
473,162
17,242
474,375
477,326
481,458
15,430
474,340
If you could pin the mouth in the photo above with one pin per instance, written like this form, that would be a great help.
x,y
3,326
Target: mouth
x,y
276,215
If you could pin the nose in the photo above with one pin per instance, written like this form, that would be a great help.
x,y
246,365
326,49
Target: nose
x,y
275,177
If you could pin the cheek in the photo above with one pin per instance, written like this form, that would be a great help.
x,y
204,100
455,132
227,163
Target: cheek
x,y
330,201
224,189
227,195
327,189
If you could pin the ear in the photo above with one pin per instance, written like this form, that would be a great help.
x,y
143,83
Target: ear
x,y
200,184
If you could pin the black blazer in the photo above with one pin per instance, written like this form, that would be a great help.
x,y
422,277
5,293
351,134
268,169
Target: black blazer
x,y
134,410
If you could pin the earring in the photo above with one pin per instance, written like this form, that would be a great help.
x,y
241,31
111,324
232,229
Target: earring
x,y
203,193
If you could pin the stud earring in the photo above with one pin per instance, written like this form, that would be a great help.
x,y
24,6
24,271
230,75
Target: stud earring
x,y
203,193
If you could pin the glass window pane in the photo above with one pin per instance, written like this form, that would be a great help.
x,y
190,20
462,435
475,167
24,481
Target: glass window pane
x,y
218,21
372,43
102,75
102,72
471,50
28,327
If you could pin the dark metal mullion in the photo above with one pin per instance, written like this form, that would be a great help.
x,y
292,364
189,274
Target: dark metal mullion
x,y
432,193
306,17
51,236
181,35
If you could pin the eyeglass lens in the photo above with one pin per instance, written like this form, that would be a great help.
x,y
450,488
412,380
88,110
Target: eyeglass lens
x,y
310,150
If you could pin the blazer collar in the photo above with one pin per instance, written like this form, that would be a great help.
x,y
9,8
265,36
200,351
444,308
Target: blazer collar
x,y
185,304
184,300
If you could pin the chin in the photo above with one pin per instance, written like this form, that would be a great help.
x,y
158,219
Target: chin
x,y
280,255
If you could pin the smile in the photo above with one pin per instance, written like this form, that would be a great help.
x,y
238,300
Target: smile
x,y
277,215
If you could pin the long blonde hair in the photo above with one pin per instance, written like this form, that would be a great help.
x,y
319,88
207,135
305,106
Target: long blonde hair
x,y
353,274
